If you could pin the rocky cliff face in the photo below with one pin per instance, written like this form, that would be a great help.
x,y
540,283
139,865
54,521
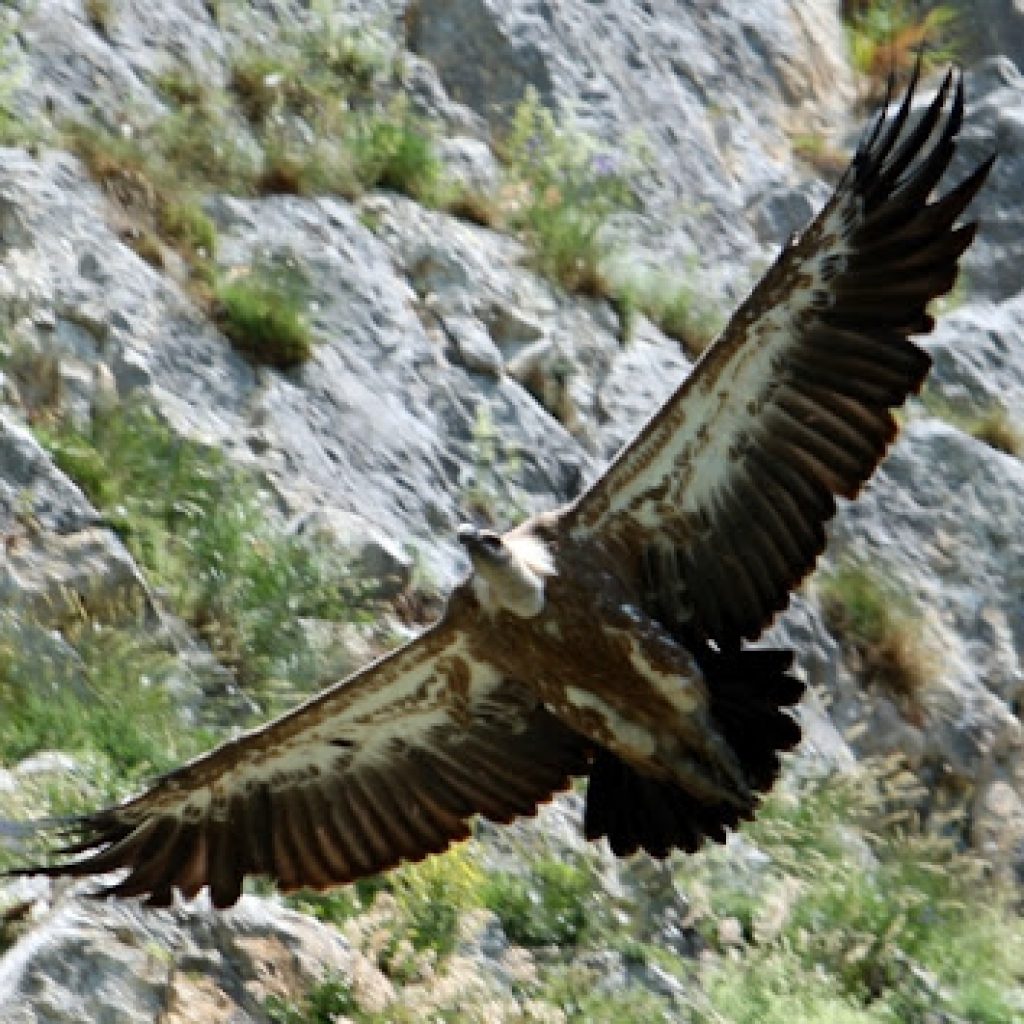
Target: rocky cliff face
x,y
450,380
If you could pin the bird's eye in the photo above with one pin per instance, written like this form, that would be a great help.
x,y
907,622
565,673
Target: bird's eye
x,y
491,541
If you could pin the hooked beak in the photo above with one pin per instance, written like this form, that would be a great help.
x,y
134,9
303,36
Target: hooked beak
x,y
483,545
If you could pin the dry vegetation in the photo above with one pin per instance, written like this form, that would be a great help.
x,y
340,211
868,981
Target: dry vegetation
x,y
879,631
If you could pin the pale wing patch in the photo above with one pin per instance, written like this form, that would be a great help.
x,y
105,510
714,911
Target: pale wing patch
x,y
683,457
617,731
404,697
532,552
680,687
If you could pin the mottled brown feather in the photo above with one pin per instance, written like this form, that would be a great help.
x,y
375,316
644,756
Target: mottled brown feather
x,y
349,836
415,831
190,871
153,875
288,867
318,870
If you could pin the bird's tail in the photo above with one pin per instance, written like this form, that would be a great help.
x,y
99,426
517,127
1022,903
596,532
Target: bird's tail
x,y
749,692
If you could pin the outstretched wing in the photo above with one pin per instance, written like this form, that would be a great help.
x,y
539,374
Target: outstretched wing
x,y
721,499
387,766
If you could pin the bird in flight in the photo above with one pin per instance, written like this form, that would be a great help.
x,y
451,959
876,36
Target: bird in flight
x,y
605,639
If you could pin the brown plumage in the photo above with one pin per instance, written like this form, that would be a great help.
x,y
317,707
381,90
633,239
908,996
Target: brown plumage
x,y
604,639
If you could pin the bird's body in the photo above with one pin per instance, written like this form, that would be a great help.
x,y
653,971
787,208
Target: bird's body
x,y
629,679
606,639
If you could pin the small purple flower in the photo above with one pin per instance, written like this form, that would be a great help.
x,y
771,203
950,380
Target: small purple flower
x,y
604,165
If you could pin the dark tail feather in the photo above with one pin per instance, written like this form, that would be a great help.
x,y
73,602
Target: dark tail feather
x,y
749,692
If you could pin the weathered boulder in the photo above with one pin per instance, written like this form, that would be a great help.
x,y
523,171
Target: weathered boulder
x,y
120,963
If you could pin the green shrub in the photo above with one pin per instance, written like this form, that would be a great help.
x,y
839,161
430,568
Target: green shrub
x,y
775,987
548,906
432,895
561,193
262,315
584,995
888,36
336,906
882,917
325,1003
108,695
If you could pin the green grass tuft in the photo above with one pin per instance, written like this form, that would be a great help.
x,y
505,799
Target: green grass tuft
x,y
394,150
15,129
106,694
262,315
101,15
183,221
993,425
998,430
672,302
311,111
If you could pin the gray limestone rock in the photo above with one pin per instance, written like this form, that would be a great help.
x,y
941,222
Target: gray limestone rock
x,y
712,92
942,517
119,963
985,28
995,124
57,557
